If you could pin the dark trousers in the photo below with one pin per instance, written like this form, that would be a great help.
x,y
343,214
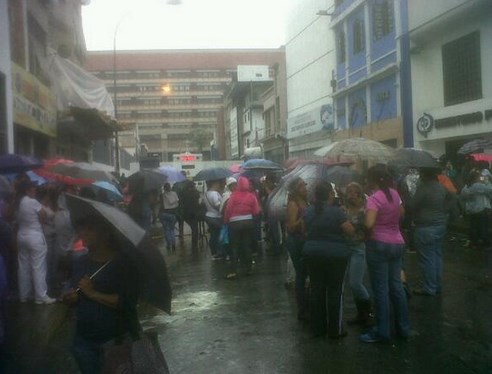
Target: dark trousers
x,y
241,235
326,274
479,228
193,223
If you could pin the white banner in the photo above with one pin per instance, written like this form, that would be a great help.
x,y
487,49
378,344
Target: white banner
x,y
317,119
233,133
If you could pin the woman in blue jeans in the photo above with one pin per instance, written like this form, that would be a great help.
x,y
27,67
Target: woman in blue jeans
x,y
430,206
167,215
354,206
384,256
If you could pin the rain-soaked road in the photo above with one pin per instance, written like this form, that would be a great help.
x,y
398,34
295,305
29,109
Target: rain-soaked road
x,y
248,325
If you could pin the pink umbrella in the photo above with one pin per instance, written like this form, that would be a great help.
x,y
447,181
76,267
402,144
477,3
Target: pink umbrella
x,y
235,168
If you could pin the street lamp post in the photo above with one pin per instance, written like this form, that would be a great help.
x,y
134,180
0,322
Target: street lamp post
x,y
115,93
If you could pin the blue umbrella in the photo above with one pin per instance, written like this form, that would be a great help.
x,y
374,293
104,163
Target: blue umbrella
x,y
211,174
110,189
173,175
260,164
13,163
33,177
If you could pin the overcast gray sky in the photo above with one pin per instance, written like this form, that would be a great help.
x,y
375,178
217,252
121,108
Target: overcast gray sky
x,y
155,24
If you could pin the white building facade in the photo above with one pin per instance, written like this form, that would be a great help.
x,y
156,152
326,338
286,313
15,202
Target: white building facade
x,y
310,62
451,55
6,113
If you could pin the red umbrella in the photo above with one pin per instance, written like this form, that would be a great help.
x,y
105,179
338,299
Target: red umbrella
x,y
55,177
56,161
482,157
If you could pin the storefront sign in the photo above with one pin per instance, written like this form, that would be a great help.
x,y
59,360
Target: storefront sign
x,y
34,104
425,124
312,121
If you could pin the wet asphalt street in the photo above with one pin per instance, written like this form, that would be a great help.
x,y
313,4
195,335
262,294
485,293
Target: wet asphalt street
x,y
249,325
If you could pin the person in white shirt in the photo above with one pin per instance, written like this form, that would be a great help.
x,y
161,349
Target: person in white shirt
x,y
213,217
31,246
167,215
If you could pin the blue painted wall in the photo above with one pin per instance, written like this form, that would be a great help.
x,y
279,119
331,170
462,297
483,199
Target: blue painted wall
x,y
383,93
341,116
357,109
383,99
355,60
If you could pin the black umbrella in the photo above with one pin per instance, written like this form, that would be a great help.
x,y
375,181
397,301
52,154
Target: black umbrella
x,y
13,163
211,174
154,283
475,146
414,158
260,164
145,181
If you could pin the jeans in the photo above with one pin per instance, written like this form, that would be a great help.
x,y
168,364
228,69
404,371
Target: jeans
x,y
89,355
326,268
356,271
294,246
274,234
214,226
168,221
384,265
429,241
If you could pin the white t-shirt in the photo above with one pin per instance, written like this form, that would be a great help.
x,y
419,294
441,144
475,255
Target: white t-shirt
x,y
28,215
212,201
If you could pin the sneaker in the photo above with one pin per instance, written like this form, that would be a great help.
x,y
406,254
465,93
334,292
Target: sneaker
x,y
46,300
371,337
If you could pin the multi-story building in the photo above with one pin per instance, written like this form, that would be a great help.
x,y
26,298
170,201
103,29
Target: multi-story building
x,y
373,92
310,60
451,55
44,111
172,100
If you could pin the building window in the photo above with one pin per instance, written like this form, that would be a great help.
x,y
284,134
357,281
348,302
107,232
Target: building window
x,y
462,72
358,32
383,18
341,47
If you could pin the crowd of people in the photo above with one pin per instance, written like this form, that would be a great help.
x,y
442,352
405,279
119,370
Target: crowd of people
x,y
332,237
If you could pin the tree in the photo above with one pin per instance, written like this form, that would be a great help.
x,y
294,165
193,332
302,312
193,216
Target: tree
x,y
200,138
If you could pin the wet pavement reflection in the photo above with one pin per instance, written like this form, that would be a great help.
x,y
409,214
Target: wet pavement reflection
x,y
249,325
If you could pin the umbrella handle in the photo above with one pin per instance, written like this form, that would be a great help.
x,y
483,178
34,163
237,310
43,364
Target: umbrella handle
x,y
96,272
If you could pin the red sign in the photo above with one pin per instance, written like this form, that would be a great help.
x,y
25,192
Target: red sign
x,y
187,158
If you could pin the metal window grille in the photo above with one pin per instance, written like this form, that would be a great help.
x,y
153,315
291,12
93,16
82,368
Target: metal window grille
x,y
358,31
341,47
382,18
462,73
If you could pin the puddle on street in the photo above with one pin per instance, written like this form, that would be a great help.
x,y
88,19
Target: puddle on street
x,y
184,306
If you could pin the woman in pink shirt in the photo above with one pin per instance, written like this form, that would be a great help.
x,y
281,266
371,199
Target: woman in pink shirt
x,y
384,251
239,212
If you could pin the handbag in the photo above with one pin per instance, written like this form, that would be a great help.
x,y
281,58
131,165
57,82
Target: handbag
x,y
140,356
